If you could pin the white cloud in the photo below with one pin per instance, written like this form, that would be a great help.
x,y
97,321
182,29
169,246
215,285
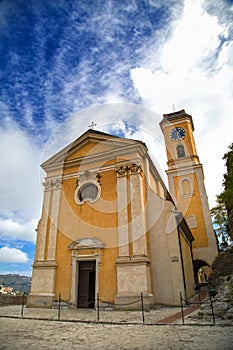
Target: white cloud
x,y
195,74
125,119
20,184
12,256
183,73
20,173
14,230
194,37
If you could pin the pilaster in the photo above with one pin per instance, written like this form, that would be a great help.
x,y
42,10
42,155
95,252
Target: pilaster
x,y
42,227
137,211
132,239
54,215
122,206
44,267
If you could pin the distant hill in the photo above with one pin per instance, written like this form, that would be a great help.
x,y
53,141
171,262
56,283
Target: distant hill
x,y
18,282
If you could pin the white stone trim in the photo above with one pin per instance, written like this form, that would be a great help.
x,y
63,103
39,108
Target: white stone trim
x,y
42,228
191,221
137,212
54,216
123,225
211,252
52,183
86,243
186,195
85,161
170,123
75,259
85,178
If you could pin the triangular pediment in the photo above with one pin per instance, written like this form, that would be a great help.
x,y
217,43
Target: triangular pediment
x,y
89,144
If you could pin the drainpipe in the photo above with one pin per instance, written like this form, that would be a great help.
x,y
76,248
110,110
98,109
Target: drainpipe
x,y
182,264
191,251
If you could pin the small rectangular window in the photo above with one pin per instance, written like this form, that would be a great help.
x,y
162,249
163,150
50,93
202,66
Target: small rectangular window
x,y
180,151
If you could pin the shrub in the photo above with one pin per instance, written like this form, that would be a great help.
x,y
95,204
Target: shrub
x,y
222,266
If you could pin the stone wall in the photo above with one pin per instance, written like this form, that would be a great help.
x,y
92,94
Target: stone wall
x,y
12,300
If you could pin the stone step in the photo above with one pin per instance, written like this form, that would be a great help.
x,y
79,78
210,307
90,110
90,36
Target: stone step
x,y
106,307
63,305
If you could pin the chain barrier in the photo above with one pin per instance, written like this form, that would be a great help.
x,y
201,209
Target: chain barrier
x,y
122,305
96,303
201,303
127,304
100,304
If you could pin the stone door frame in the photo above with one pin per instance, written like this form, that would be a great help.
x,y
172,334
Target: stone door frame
x,y
89,249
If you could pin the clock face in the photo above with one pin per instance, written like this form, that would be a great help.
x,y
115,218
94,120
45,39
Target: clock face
x,y
177,133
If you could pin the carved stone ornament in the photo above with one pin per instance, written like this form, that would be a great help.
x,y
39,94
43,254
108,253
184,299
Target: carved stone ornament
x,y
122,171
52,184
88,187
135,169
87,243
131,169
88,176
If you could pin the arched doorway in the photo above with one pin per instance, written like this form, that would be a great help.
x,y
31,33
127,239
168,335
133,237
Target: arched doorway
x,y
202,271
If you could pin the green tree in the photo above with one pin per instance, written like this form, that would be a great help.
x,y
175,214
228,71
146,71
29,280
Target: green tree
x,y
220,218
227,194
222,214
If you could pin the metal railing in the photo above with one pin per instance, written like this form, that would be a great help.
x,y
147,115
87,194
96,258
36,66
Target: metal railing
x,y
99,315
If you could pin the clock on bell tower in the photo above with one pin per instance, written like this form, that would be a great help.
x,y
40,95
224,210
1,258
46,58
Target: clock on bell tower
x,y
186,185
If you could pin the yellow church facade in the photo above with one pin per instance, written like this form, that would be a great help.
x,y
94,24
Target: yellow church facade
x,y
109,229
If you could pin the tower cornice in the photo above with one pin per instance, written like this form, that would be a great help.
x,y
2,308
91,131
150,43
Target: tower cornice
x,y
177,116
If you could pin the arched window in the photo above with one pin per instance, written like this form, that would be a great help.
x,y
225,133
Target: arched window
x,y
186,187
180,151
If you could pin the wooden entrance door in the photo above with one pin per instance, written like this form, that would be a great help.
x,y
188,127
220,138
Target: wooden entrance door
x,y
86,284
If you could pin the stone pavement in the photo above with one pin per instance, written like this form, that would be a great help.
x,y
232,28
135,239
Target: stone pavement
x,y
160,315
35,334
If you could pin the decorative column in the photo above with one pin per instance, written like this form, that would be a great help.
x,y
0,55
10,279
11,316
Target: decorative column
x,y
54,219
43,223
133,265
122,203
137,211
44,267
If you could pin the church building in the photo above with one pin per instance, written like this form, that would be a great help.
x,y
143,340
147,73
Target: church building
x,y
109,228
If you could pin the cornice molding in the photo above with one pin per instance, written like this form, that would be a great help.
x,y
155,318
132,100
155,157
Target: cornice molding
x,y
98,157
103,168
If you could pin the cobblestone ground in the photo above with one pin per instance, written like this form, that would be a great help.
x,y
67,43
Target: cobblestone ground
x,y
47,335
17,333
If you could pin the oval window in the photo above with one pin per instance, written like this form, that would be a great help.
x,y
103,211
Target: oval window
x,y
87,192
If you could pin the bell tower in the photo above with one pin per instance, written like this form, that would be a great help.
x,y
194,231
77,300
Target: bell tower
x,y
186,185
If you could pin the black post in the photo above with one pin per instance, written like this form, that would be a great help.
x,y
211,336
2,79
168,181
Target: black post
x,y
98,307
143,316
59,307
22,305
181,306
212,309
199,295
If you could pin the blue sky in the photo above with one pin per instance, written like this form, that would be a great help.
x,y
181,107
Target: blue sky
x,y
67,63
